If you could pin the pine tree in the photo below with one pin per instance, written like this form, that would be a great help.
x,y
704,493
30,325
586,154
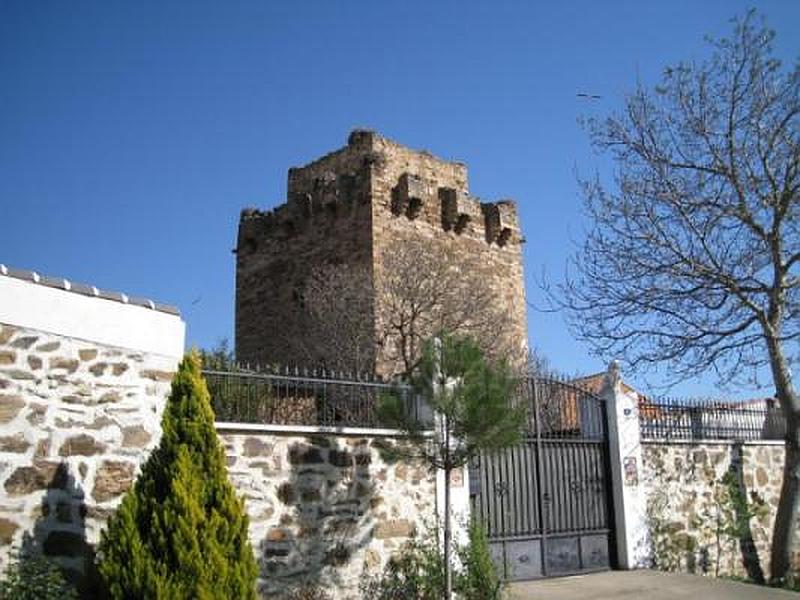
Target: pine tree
x,y
181,532
472,401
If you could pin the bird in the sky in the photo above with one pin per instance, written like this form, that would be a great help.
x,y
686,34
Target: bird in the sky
x,y
589,96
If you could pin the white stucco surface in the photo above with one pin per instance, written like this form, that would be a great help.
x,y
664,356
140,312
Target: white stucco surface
x,y
628,488
31,305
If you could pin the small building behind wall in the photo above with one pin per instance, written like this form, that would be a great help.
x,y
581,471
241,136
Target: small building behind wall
x,y
84,374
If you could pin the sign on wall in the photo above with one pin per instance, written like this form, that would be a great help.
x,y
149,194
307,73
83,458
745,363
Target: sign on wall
x,y
631,471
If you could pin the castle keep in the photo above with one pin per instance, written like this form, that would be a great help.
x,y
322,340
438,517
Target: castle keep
x,y
348,209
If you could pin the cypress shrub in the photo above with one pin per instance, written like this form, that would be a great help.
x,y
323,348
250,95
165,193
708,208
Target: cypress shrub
x,y
479,579
181,532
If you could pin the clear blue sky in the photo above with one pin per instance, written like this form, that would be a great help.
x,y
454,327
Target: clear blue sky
x,y
131,134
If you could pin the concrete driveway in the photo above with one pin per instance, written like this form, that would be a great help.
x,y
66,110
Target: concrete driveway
x,y
648,585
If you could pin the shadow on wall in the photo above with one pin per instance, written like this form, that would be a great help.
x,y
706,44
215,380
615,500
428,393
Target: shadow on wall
x,y
706,529
743,513
59,532
330,496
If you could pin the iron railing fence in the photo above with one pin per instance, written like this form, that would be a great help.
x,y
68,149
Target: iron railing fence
x,y
295,397
559,409
675,419
556,409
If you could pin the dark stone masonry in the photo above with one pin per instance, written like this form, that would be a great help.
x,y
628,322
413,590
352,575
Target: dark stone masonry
x,y
346,209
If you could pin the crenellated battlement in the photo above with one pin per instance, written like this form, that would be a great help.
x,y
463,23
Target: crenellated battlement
x,y
421,187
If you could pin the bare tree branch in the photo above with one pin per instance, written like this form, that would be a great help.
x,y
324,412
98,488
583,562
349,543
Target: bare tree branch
x,y
424,293
693,259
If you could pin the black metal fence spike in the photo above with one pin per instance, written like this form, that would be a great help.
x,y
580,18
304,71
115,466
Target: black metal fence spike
x,y
707,418
557,409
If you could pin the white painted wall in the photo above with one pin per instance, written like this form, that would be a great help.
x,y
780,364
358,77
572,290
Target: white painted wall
x,y
459,503
629,494
34,306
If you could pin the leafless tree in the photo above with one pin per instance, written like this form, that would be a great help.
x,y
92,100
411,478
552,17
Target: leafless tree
x,y
425,292
539,365
350,318
693,257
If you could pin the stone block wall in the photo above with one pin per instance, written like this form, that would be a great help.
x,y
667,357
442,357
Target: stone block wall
x,y
683,484
325,509
84,374
326,220
347,209
81,400
77,418
439,211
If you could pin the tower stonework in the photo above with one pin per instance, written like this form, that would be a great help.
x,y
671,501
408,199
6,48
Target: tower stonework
x,y
347,209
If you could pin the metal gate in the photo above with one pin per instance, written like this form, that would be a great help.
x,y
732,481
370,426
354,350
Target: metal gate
x,y
546,502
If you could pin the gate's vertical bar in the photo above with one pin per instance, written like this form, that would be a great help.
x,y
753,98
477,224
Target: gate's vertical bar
x,y
529,501
574,492
537,432
573,486
512,490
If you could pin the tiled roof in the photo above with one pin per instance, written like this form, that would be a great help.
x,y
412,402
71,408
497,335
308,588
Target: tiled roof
x,y
651,407
594,383
85,290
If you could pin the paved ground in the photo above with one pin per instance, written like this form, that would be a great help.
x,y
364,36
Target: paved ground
x,y
648,585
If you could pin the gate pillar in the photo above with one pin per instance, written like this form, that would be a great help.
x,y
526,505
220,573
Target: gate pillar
x,y
625,457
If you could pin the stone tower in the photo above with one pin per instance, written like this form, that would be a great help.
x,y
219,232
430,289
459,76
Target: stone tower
x,y
346,209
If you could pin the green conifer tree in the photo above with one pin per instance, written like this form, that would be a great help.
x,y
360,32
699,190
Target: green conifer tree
x,y
181,532
472,401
